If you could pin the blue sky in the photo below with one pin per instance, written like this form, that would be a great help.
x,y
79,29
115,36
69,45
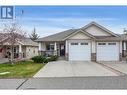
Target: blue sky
x,y
52,19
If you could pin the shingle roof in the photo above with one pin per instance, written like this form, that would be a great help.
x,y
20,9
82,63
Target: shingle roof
x,y
58,36
108,38
24,41
29,42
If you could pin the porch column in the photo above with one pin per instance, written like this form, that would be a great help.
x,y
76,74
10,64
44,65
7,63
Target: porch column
x,y
124,49
124,45
55,48
20,51
93,53
39,46
120,49
66,50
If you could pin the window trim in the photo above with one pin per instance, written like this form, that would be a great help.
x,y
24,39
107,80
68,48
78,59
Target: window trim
x,y
112,43
101,43
74,43
84,43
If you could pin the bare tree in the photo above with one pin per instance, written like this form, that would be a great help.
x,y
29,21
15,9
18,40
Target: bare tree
x,y
12,33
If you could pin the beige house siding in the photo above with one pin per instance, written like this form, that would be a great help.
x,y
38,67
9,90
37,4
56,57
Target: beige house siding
x,y
31,51
94,30
79,35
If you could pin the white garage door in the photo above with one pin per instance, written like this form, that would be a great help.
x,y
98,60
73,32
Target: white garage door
x,y
107,51
79,51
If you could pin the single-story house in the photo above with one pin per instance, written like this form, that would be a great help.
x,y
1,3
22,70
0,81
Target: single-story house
x,y
24,48
92,42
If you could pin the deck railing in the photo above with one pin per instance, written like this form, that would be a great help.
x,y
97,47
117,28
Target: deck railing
x,y
48,52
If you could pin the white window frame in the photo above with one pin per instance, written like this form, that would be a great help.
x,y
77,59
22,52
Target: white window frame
x,y
74,43
102,43
111,43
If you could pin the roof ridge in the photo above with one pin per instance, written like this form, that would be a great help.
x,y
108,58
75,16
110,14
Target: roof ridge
x,y
100,26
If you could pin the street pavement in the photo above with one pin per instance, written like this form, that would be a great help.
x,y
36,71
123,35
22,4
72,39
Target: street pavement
x,y
105,82
11,83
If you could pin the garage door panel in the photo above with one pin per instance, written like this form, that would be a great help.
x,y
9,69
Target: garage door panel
x,y
79,52
108,52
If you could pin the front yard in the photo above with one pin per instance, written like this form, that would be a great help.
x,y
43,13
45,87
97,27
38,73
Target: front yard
x,y
23,69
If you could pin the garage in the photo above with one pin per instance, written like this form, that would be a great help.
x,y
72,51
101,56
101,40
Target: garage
x,y
79,51
107,51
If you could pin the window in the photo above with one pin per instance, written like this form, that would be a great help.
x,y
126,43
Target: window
x,y
84,43
49,47
111,43
74,43
101,43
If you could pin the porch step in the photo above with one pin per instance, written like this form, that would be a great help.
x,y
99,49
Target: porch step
x,y
61,58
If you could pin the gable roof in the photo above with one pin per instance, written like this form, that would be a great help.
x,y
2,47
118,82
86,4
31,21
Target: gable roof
x,y
25,41
79,30
65,34
101,27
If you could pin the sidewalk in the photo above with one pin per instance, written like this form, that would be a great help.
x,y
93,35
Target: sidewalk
x,y
3,60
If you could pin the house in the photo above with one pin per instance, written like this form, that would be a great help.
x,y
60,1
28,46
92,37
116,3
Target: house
x,y
24,48
92,42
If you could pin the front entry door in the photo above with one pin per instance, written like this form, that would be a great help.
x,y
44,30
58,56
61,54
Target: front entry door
x,y
62,50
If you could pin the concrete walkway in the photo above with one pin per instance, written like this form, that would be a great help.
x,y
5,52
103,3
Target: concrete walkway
x,y
73,69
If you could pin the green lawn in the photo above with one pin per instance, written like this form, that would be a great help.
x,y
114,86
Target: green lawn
x,y
24,69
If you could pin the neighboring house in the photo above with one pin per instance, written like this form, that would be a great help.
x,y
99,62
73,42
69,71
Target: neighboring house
x,y
25,48
92,42
124,44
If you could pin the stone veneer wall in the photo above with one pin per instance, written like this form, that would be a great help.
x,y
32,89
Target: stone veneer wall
x,y
93,56
120,56
124,53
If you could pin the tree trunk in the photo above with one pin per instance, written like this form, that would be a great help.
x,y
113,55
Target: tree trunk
x,y
12,54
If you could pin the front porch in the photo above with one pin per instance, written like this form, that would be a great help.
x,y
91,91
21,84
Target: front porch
x,y
52,48
18,51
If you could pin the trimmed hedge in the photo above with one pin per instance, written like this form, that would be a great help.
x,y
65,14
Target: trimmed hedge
x,y
42,59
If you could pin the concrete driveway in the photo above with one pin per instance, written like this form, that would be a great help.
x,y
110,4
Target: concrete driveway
x,y
73,69
118,65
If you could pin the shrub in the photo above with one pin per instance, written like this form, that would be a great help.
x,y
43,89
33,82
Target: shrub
x,y
42,59
38,59
53,58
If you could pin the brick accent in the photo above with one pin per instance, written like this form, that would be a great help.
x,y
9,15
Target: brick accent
x,y
120,56
93,56
66,56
